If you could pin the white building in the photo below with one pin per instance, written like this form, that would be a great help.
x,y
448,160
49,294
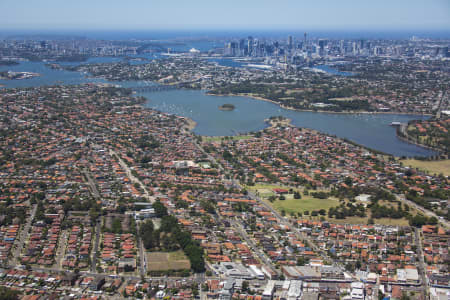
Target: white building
x,y
194,52
268,291
256,272
357,290
295,290
144,214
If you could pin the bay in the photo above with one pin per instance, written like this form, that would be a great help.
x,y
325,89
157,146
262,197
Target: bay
x,y
370,130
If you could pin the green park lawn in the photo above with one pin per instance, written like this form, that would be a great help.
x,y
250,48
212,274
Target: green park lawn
x,y
433,167
307,203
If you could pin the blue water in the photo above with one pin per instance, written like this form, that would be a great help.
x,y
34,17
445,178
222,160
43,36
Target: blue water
x,y
333,71
371,130
228,62
48,76
114,59
146,60
52,77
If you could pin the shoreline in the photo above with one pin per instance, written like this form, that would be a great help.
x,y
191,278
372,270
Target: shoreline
x,y
317,111
208,92
274,123
227,107
405,138
190,124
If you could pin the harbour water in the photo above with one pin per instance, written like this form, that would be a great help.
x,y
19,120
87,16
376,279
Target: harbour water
x,y
333,71
370,130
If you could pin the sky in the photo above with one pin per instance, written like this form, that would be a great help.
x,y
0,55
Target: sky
x,y
225,14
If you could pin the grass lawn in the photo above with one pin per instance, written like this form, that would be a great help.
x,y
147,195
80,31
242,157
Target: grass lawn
x,y
306,203
164,261
290,204
433,167
309,203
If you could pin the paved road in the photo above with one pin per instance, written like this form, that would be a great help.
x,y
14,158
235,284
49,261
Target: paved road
x,y
62,243
91,184
23,236
442,104
283,220
95,249
85,273
124,277
257,250
143,259
132,178
423,210
210,157
422,266
300,235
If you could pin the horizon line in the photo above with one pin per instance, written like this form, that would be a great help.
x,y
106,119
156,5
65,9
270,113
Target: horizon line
x,y
297,28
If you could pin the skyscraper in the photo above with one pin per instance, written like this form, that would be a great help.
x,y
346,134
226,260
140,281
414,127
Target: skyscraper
x,y
242,50
250,46
322,44
304,42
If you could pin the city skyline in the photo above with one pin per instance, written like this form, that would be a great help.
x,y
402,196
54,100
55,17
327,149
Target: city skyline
x,y
201,14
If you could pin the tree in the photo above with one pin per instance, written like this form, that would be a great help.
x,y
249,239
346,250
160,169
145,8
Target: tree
x,y
405,296
301,261
8,294
245,286
160,209
348,181
116,226
146,234
195,255
208,206
168,224
418,220
432,220
227,155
